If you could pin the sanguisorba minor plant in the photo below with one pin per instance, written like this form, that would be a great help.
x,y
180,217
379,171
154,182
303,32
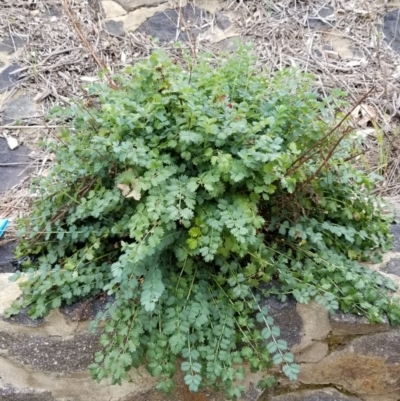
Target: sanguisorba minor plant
x,y
190,193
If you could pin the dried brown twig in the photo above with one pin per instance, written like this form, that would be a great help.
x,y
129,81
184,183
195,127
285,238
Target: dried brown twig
x,y
78,30
303,158
346,52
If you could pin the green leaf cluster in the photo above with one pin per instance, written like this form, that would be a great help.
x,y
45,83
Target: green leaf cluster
x,y
188,193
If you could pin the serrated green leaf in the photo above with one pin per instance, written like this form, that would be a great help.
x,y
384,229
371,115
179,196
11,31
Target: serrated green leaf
x,y
153,288
193,381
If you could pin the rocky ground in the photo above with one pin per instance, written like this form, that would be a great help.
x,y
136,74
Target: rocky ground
x,y
51,50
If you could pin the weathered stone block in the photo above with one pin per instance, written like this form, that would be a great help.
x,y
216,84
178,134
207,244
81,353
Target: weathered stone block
x,y
15,166
286,317
131,5
112,9
133,20
315,325
369,365
7,79
50,354
10,393
223,21
323,19
12,43
85,310
391,29
313,353
347,324
6,248
327,394
393,267
23,319
304,327
395,229
164,25
21,107
114,28
9,292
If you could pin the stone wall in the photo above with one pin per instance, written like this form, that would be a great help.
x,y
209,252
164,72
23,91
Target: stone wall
x,y
47,360
342,357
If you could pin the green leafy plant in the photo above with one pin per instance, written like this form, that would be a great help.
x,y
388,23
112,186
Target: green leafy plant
x,y
189,195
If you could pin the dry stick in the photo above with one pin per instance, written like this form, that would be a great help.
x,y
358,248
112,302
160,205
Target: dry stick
x,y
330,132
14,164
342,35
28,126
335,79
80,34
353,157
178,23
22,69
8,96
192,46
56,53
42,232
11,36
330,154
86,43
49,68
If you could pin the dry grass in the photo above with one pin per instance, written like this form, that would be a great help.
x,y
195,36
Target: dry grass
x,y
67,47
57,65
348,53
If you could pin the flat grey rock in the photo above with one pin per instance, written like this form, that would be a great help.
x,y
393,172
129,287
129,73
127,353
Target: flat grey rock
x,y
395,230
385,345
163,25
223,22
131,5
253,393
393,267
179,393
13,165
50,354
367,366
95,5
286,317
328,394
9,393
320,21
21,108
391,29
6,254
12,43
53,10
345,324
6,79
85,310
115,28
231,44
23,319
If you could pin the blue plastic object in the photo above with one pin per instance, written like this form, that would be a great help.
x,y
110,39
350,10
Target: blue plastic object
x,y
3,226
